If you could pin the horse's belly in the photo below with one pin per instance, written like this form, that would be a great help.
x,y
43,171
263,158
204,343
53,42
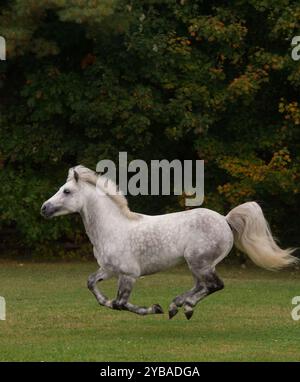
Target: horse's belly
x,y
152,263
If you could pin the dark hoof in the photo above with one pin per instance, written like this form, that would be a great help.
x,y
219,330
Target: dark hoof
x,y
157,309
115,305
172,313
189,314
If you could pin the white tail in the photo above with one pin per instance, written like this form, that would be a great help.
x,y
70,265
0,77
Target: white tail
x,y
253,236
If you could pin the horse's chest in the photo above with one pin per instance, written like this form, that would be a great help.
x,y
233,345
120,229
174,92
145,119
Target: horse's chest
x,y
114,257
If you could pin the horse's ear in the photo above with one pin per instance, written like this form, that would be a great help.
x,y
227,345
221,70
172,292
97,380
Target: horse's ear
x,y
76,176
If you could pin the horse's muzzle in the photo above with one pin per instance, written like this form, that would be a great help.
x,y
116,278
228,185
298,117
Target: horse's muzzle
x,y
48,210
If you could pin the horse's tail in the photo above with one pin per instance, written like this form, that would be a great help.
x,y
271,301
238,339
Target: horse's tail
x,y
252,235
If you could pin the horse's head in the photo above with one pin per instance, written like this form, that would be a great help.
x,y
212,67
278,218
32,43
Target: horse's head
x,y
67,200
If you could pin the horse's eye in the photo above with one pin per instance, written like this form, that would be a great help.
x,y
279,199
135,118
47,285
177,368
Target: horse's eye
x,y
66,191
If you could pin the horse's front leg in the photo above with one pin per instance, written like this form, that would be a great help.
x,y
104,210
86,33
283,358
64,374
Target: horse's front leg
x,y
125,287
100,275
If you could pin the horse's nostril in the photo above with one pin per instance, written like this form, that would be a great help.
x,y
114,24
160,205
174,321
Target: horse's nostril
x,y
44,209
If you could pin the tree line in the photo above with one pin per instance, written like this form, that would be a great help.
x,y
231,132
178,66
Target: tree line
x,y
84,80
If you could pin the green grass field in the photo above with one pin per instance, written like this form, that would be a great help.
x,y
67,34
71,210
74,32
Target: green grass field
x,y
51,316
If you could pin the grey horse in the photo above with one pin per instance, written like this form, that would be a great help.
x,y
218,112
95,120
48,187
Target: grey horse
x,y
129,245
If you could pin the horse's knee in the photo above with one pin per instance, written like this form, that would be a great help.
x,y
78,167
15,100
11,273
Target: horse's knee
x,y
90,283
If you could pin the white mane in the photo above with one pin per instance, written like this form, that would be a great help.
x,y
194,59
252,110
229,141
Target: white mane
x,y
106,185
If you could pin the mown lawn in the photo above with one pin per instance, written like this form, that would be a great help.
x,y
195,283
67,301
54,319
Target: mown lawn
x,y
51,316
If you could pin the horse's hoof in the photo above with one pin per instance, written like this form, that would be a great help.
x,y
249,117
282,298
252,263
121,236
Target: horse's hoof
x,y
157,309
172,313
115,305
188,314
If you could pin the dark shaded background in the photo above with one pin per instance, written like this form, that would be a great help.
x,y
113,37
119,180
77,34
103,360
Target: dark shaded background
x,y
210,80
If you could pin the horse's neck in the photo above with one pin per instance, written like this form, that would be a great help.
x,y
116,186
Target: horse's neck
x,y
101,217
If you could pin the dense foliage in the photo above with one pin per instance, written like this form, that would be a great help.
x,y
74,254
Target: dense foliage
x,y
169,79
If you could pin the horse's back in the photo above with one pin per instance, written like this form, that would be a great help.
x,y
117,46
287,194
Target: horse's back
x,y
196,221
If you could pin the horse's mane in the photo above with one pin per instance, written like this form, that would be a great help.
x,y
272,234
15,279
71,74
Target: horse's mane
x,y
106,185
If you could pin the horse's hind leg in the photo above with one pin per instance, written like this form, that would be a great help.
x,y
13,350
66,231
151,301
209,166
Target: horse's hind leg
x,y
125,287
207,284
179,300
202,265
